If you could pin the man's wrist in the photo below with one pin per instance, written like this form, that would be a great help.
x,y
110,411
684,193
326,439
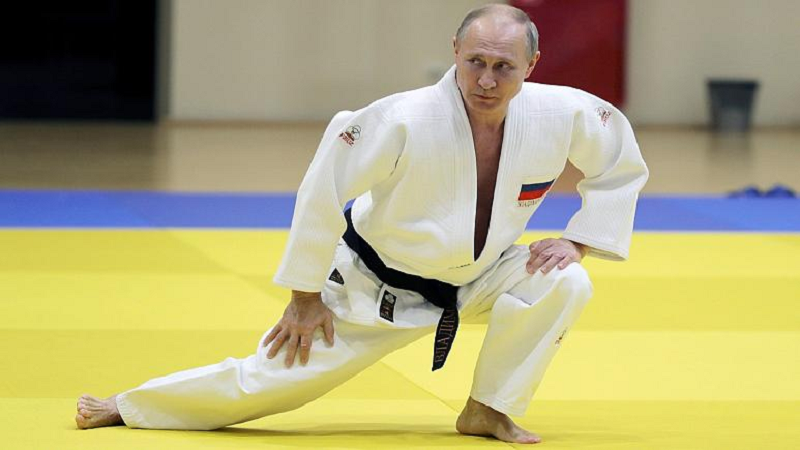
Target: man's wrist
x,y
583,249
305,297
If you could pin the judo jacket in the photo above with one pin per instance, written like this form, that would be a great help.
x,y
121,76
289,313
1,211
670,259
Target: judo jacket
x,y
408,160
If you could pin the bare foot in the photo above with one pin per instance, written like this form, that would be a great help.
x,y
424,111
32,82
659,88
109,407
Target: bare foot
x,y
94,412
478,419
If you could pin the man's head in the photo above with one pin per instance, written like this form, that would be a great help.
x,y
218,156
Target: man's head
x,y
496,48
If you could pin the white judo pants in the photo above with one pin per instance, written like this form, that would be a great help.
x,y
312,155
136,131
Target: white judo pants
x,y
528,317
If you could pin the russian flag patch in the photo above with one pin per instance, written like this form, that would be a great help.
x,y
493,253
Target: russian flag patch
x,y
529,193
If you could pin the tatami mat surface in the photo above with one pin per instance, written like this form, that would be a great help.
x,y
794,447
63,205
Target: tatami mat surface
x,y
693,344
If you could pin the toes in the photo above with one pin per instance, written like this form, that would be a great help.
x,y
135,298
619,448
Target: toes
x,y
530,438
93,403
80,421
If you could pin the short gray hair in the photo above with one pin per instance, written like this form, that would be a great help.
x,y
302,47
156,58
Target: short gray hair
x,y
517,15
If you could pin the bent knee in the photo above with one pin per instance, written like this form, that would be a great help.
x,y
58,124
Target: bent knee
x,y
571,283
574,280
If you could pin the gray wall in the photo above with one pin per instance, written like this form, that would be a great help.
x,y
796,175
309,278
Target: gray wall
x,y
285,60
675,45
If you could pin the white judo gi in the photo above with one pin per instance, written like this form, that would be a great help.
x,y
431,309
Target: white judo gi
x,y
409,162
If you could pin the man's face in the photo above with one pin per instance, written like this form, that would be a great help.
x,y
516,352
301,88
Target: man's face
x,y
492,64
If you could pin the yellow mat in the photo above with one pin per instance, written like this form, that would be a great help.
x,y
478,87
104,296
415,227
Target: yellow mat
x,y
693,344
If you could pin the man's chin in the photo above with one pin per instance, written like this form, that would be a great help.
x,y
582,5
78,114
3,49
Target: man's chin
x,y
484,106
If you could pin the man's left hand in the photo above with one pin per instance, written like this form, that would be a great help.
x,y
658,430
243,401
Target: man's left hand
x,y
549,253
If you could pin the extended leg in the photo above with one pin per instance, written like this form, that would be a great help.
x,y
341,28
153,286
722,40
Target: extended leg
x,y
238,390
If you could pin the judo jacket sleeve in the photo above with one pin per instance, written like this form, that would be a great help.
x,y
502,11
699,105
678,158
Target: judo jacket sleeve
x,y
603,147
358,150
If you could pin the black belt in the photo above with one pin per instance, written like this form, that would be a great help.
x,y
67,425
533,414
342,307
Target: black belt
x,y
439,293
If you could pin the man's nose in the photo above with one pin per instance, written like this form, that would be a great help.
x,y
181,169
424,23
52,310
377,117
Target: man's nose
x,y
486,81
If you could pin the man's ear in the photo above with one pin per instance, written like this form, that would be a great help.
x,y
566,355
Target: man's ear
x,y
455,46
532,63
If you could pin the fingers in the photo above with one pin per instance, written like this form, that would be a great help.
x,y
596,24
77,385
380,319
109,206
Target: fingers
x,y
537,260
295,332
565,262
531,266
548,254
538,254
305,348
275,330
291,350
327,327
551,263
294,342
539,246
276,346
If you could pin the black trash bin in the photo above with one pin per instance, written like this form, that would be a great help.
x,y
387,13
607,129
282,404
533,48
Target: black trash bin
x,y
731,104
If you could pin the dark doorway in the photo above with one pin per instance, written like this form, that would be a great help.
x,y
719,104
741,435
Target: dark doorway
x,y
88,59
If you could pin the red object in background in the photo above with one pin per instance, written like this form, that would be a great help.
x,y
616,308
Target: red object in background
x,y
582,44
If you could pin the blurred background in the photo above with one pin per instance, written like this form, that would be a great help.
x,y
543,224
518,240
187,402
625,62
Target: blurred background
x,y
233,95
150,151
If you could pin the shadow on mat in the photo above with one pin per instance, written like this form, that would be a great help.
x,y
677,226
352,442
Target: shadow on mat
x,y
369,435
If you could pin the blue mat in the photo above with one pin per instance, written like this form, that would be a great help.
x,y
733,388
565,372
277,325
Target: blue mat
x,y
122,209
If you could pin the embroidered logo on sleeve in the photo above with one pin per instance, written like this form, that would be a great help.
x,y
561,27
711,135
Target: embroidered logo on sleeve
x,y
351,135
387,306
531,194
604,115
336,277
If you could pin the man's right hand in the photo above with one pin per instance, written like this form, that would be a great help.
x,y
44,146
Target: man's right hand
x,y
296,328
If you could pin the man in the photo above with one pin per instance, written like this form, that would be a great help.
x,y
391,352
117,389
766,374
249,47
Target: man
x,y
445,180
